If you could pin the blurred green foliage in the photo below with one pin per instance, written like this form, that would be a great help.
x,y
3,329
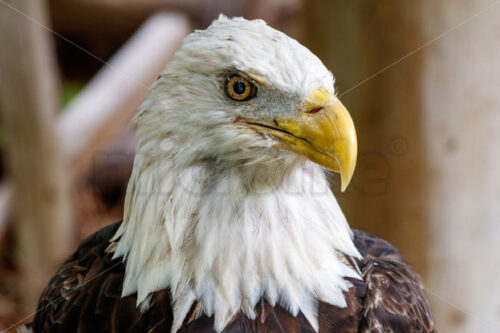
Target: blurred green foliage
x,y
70,89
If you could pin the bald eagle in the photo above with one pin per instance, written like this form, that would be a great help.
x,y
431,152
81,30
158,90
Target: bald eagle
x,y
229,223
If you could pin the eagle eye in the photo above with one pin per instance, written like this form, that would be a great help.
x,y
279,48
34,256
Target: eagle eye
x,y
239,88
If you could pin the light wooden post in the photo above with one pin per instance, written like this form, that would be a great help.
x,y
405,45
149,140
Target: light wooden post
x,y
29,101
461,114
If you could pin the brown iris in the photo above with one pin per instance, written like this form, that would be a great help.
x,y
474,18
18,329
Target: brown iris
x,y
239,88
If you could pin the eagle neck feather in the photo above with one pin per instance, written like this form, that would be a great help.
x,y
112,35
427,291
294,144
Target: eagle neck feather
x,y
217,237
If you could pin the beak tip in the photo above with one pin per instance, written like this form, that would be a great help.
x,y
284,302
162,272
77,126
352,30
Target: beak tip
x,y
345,177
343,185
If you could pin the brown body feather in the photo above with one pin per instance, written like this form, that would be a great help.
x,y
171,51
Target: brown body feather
x,y
84,296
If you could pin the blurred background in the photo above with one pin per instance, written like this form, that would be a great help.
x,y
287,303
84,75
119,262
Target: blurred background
x,y
421,80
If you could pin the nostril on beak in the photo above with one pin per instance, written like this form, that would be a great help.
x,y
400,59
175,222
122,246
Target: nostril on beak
x,y
315,110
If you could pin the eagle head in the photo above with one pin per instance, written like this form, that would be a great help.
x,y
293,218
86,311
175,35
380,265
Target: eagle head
x,y
241,93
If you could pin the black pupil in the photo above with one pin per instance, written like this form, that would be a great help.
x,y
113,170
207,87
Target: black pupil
x,y
239,87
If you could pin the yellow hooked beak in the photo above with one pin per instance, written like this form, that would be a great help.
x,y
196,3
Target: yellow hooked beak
x,y
323,132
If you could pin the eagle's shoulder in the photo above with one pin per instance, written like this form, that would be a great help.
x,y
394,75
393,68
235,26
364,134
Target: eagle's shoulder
x,y
394,299
85,295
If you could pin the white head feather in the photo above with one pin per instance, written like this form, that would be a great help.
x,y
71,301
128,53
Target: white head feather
x,y
214,211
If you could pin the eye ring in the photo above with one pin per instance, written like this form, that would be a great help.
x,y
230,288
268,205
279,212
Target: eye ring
x,y
238,88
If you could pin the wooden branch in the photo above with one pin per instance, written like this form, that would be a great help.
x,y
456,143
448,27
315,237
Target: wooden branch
x,y
29,97
102,110
5,201
106,105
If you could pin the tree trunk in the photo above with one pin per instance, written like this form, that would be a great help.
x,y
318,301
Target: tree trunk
x,y
29,101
